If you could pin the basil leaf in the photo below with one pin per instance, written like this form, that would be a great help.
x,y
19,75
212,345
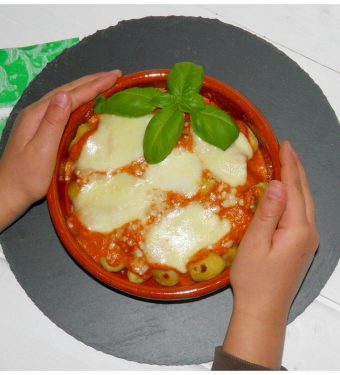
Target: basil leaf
x,y
165,100
215,127
133,102
185,78
99,102
191,103
162,134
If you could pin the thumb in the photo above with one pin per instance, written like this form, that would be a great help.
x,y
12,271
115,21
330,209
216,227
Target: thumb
x,y
268,213
52,125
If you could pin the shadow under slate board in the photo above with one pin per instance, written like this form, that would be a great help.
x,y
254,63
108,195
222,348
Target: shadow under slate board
x,y
185,332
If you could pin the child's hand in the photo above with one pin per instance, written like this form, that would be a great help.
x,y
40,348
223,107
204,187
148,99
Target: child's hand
x,y
27,164
279,244
271,263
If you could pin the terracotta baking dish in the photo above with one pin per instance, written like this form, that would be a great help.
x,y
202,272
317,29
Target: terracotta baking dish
x,y
227,98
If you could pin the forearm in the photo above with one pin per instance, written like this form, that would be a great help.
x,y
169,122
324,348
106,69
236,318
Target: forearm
x,y
256,339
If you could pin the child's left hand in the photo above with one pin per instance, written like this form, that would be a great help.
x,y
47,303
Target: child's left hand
x,y
28,162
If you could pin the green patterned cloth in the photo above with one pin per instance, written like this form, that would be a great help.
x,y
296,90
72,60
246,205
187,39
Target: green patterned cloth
x,y
18,66
2,124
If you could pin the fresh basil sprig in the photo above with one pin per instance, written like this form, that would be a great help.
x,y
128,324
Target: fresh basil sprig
x,y
184,84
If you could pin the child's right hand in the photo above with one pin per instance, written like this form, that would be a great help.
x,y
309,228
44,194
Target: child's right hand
x,y
27,164
272,261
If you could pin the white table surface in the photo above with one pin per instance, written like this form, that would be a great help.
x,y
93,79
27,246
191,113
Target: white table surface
x,y
310,35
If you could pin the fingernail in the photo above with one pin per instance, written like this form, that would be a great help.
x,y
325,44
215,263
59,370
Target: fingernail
x,y
60,100
292,151
109,76
274,190
118,72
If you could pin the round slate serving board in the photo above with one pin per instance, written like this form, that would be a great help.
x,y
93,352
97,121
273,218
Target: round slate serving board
x,y
182,332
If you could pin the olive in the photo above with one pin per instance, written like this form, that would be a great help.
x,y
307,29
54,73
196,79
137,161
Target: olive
x,y
82,129
254,143
166,278
134,278
108,267
229,256
207,268
73,190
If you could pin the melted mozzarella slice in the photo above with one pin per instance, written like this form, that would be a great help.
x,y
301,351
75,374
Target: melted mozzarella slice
x,y
230,166
106,203
181,233
180,172
117,142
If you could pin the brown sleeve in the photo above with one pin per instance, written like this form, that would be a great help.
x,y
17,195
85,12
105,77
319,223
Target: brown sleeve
x,y
224,362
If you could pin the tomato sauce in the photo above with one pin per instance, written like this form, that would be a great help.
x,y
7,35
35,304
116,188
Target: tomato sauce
x,y
126,244
185,142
